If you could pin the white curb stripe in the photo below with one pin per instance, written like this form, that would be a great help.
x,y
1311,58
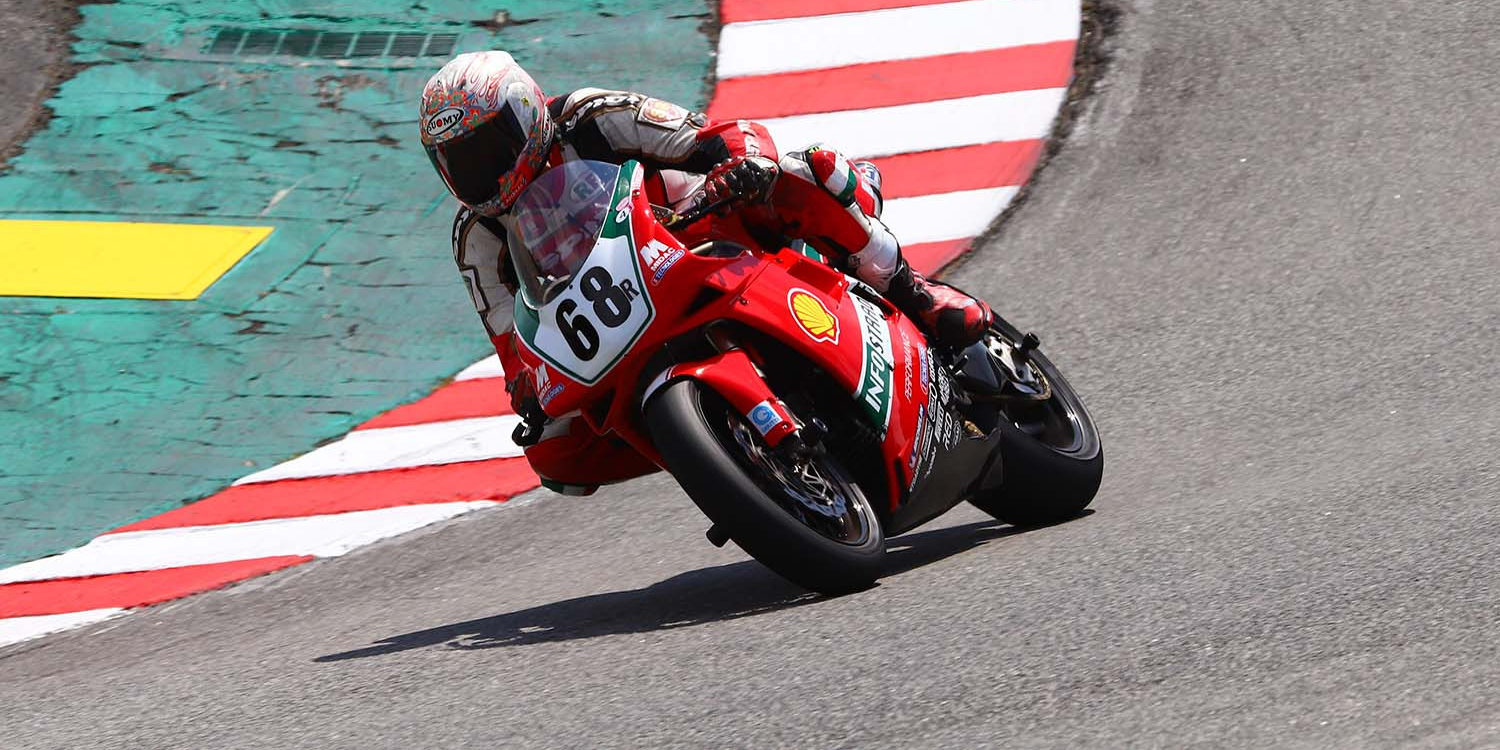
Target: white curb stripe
x,y
945,216
17,629
319,536
791,44
405,447
489,367
906,128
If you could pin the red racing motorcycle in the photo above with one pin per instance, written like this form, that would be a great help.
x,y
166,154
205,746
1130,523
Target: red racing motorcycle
x,y
805,416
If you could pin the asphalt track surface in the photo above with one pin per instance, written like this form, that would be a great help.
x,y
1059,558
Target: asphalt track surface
x,y
1267,257
33,43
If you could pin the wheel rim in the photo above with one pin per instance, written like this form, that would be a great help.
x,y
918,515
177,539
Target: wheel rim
x,y
1043,406
812,490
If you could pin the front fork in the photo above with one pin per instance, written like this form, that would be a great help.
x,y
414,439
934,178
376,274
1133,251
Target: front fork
x,y
734,376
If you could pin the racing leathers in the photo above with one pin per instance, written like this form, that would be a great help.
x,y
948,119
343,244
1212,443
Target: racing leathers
x,y
815,195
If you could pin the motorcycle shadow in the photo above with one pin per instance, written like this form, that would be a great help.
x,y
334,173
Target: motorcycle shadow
x,y
698,597
911,551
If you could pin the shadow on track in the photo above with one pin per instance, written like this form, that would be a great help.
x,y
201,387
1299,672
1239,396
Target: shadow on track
x,y
723,592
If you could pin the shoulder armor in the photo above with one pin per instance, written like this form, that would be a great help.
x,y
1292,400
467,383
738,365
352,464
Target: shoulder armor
x,y
582,104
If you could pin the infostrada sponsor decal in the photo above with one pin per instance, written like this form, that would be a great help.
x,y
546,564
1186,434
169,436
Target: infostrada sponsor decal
x,y
876,369
812,316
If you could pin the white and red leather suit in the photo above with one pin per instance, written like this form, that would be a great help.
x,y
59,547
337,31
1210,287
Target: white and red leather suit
x,y
819,197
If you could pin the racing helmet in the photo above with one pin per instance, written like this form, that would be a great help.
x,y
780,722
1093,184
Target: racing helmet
x,y
486,129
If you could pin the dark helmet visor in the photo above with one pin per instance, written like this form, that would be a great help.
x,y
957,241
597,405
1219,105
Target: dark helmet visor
x,y
473,164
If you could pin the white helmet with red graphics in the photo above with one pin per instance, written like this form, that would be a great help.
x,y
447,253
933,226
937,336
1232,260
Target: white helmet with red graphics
x,y
486,129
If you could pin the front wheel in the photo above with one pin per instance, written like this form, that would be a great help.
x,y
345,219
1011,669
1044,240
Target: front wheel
x,y
1052,457
804,519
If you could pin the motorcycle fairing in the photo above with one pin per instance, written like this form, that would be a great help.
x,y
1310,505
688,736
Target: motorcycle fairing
x,y
895,387
610,281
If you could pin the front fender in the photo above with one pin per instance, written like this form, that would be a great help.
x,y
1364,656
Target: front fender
x,y
734,377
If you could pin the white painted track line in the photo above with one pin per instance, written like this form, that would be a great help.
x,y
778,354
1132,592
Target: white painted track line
x,y
906,128
319,536
791,44
384,448
17,629
945,216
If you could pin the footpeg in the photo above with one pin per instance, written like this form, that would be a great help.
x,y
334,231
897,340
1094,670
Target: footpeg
x,y
717,536
1029,343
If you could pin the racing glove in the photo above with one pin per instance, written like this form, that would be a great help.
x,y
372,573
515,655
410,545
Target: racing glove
x,y
750,178
523,398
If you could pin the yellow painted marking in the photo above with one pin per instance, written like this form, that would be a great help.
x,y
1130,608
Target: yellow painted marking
x,y
118,259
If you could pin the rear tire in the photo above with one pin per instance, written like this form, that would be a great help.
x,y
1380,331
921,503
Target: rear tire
x,y
694,428
1051,472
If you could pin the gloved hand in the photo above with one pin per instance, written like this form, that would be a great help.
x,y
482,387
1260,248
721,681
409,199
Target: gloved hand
x,y
750,178
523,398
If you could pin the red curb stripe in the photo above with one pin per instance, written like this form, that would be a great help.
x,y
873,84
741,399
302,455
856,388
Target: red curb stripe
x,y
62,595
481,397
987,165
494,479
928,257
740,11
886,84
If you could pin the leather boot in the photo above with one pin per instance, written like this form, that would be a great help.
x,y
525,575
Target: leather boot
x,y
949,317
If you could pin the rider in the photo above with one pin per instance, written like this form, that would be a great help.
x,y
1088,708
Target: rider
x,y
489,132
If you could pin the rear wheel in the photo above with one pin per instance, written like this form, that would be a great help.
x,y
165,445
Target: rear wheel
x,y
805,518
1052,457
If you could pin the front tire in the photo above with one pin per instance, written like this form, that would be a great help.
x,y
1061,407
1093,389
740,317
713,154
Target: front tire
x,y
807,522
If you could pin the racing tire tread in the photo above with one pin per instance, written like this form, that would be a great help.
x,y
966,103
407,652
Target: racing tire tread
x,y
1041,485
731,499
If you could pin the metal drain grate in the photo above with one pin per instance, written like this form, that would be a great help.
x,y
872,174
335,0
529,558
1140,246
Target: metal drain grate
x,y
329,44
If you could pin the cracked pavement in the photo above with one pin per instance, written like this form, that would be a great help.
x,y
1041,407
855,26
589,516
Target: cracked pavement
x,y
114,410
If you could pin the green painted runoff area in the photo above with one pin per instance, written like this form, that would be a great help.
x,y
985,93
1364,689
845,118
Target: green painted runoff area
x,y
115,410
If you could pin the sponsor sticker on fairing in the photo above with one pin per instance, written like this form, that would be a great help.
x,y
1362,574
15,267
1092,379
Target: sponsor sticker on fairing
x,y
926,376
812,316
546,390
551,393
916,442
906,364
876,368
764,417
925,445
660,257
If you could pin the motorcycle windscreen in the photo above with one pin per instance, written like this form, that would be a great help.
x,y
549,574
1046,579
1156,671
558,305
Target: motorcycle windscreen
x,y
554,224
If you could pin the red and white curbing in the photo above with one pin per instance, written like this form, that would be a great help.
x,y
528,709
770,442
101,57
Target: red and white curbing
x,y
952,100
442,456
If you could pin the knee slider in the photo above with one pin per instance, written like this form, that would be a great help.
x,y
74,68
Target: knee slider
x,y
834,172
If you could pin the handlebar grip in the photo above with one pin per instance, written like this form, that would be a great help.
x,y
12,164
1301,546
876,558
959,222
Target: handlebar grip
x,y
694,214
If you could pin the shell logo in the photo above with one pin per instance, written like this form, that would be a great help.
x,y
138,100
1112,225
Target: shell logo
x,y
815,320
